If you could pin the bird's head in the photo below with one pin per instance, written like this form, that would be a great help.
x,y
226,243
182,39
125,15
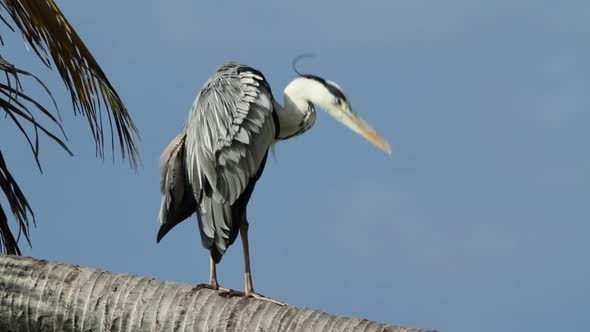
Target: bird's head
x,y
328,96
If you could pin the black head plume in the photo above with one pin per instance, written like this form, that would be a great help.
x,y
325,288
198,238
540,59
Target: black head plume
x,y
299,58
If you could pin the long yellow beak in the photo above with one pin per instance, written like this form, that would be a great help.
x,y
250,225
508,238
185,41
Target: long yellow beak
x,y
360,126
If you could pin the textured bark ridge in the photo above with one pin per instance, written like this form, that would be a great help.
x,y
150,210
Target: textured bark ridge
x,y
37,295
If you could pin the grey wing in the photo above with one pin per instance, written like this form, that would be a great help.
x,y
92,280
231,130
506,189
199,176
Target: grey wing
x,y
229,131
178,200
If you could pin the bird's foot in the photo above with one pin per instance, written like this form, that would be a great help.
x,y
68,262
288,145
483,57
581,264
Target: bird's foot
x,y
228,293
224,292
231,293
213,287
264,298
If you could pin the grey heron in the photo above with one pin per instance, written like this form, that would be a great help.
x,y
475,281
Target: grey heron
x,y
212,166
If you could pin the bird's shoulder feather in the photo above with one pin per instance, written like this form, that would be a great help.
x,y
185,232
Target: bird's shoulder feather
x,y
229,130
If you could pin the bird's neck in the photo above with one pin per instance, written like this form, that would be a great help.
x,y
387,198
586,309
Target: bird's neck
x,y
298,113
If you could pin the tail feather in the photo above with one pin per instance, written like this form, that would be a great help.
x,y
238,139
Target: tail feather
x,y
217,226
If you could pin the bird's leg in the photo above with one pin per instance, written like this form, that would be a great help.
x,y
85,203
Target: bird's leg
x,y
213,274
213,284
248,275
249,291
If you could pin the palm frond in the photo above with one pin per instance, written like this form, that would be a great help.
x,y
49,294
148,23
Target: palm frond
x,y
17,106
19,206
47,32
53,39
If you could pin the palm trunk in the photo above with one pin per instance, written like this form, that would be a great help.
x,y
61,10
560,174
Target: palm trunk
x,y
37,295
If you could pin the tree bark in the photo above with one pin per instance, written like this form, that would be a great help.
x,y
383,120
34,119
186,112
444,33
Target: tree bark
x,y
37,295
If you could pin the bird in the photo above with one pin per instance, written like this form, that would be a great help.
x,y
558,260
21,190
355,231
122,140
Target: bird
x,y
211,168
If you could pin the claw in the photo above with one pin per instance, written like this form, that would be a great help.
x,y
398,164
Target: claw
x,y
213,287
231,293
264,298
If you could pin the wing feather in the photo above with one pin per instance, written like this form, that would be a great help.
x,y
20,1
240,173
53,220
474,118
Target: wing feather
x,y
229,130
178,199
233,116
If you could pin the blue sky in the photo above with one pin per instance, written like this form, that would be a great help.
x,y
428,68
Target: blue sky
x,y
478,221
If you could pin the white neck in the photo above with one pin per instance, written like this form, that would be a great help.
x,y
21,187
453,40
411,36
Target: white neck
x,y
298,114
